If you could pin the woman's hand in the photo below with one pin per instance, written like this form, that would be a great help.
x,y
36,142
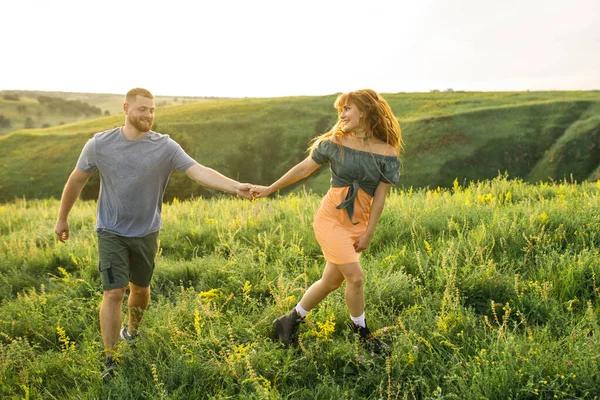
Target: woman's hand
x,y
243,190
362,242
258,191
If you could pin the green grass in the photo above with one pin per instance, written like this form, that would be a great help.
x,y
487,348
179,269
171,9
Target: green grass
x,y
483,291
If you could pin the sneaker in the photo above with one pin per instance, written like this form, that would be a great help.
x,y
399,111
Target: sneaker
x,y
128,337
368,340
110,369
286,327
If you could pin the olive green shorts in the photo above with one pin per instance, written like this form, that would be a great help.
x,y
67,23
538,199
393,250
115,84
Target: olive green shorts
x,y
126,259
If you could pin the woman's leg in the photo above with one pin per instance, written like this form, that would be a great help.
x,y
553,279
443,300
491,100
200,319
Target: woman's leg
x,y
331,279
286,326
355,298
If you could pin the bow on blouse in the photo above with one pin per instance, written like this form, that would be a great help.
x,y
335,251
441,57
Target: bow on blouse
x,y
348,202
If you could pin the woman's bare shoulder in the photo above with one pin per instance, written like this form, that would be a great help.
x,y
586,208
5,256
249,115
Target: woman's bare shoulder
x,y
390,151
385,149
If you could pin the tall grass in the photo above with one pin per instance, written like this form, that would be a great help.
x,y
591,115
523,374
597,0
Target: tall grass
x,y
483,291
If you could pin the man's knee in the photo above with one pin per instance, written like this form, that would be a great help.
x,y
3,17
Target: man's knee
x,y
114,295
142,291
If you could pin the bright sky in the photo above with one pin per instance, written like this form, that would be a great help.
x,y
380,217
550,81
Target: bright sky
x,y
272,48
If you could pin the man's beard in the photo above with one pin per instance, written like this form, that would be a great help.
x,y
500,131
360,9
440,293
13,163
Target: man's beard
x,y
140,125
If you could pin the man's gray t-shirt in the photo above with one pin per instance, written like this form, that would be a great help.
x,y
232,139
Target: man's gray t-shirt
x,y
133,178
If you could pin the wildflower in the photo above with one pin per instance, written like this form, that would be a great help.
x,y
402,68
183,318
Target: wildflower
x,y
385,328
373,355
209,221
570,363
210,295
253,351
428,247
326,329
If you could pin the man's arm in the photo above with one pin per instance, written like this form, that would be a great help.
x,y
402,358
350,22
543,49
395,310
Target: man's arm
x,y
71,192
211,178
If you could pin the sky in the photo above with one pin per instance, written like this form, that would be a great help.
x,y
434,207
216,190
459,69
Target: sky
x,y
268,48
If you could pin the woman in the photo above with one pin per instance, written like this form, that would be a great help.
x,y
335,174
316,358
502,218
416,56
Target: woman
x,y
362,149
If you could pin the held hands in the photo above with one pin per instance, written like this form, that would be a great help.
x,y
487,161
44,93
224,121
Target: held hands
x,y
62,230
258,191
243,190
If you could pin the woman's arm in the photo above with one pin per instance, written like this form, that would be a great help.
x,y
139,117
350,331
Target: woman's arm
x,y
296,173
376,209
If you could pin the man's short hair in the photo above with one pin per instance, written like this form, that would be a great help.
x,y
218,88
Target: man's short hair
x,y
130,96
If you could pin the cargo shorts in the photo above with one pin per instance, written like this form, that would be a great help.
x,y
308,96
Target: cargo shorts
x,y
124,259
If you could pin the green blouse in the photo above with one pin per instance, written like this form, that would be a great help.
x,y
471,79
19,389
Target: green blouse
x,y
358,169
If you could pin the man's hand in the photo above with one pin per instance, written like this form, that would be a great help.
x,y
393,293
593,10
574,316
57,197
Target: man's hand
x,y
243,190
362,242
62,230
260,191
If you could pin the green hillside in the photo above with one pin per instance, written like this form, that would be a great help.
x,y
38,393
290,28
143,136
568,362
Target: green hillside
x,y
23,109
469,136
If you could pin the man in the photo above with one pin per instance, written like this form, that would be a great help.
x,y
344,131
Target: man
x,y
134,165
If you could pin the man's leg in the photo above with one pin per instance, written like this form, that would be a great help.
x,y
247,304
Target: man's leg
x,y
139,297
113,266
143,251
110,318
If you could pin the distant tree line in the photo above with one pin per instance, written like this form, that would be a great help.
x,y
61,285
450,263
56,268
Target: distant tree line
x,y
11,96
29,123
68,107
4,122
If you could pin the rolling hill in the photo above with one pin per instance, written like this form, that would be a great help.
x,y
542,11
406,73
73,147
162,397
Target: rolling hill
x,y
464,135
23,108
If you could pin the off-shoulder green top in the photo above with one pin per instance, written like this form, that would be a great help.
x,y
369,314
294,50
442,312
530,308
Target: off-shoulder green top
x,y
358,169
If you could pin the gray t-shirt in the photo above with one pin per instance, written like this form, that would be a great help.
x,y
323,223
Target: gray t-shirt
x,y
133,178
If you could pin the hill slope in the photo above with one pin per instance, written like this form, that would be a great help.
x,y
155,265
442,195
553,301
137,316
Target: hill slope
x,y
468,136
23,109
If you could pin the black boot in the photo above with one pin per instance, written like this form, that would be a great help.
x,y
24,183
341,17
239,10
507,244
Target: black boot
x,y
110,369
286,327
369,341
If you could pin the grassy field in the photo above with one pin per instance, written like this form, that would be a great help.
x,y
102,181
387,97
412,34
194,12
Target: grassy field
x,y
484,291
536,136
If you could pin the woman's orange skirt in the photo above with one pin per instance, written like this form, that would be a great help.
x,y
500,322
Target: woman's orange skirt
x,y
334,231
